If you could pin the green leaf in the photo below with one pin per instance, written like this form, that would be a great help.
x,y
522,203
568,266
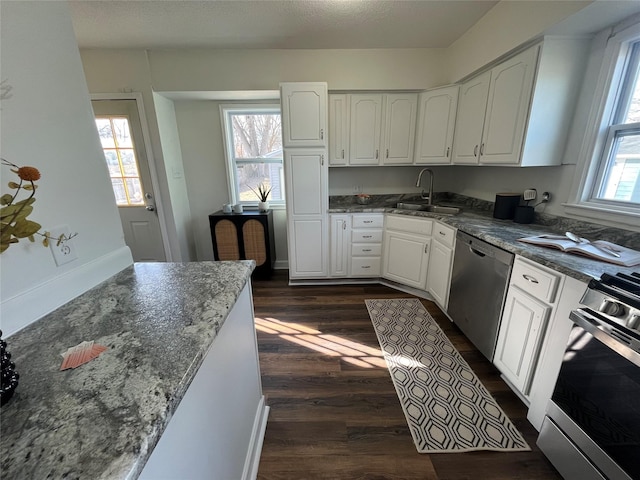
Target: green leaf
x,y
10,210
5,199
13,185
30,187
26,228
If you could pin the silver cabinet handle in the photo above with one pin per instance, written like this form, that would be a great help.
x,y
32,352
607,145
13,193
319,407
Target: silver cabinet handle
x,y
366,249
367,236
529,278
387,153
322,134
376,154
448,150
367,221
426,248
475,151
344,225
482,149
365,266
441,233
322,160
343,153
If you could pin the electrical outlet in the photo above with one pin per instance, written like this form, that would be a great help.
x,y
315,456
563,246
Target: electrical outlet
x,y
357,189
65,250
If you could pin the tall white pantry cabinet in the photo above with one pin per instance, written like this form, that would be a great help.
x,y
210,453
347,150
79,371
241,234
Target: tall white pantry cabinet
x,y
304,136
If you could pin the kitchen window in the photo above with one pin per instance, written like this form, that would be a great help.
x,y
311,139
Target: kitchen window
x,y
610,181
253,147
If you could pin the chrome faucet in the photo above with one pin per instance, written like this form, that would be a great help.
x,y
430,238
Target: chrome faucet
x,y
429,197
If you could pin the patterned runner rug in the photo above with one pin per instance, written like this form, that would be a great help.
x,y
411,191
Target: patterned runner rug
x,y
447,408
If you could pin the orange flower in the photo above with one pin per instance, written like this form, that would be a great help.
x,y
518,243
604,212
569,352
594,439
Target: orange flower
x,y
30,174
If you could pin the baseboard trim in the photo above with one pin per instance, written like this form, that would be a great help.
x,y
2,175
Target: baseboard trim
x,y
252,462
21,310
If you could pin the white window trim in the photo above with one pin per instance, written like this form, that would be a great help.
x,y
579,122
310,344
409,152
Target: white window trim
x,y
226,133
580,204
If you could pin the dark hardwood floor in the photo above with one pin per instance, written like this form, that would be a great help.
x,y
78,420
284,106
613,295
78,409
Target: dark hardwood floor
x,y
334,411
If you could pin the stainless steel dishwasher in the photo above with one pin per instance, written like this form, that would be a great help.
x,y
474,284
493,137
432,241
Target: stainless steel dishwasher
x,y
479,282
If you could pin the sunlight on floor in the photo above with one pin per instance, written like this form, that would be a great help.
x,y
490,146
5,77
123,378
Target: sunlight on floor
x,y
352,352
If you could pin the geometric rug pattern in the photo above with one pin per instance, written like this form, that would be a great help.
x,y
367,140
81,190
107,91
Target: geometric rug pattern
x,y
446,406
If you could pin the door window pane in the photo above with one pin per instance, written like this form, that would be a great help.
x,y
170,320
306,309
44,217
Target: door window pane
x,y
120,155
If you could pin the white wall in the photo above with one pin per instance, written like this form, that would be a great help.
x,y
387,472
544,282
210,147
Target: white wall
x,y
48,124
181,211
504,27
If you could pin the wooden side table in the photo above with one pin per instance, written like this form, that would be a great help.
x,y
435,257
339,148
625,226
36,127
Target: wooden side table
x,y
244,236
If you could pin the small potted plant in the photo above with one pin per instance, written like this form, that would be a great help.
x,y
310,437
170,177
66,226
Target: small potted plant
x,y
263,195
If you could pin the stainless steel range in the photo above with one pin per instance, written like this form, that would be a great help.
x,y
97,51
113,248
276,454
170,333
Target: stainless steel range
x,y
592,427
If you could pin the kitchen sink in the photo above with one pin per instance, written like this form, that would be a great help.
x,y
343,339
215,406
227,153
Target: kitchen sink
x,y
423,207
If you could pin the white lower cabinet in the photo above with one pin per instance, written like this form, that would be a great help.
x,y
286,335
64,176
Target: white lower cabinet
x,y
530,303
406,258
307,245
340,231
441,263
523,323
356,244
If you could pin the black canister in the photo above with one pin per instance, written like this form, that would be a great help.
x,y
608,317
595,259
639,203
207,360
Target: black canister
x,y
524,214
505,206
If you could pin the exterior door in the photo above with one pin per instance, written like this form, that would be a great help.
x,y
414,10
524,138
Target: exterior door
x,y
120,132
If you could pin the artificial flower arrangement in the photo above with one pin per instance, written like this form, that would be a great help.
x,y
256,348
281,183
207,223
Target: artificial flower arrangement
x,y
14,213
262,193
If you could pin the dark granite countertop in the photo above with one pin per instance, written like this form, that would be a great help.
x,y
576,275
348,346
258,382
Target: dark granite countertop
x,y
477,219
103,419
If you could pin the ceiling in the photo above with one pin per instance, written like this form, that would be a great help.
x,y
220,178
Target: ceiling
x,y
280,24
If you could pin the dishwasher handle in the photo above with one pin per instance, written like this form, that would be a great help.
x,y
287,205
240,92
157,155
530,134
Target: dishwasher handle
x,y
477,252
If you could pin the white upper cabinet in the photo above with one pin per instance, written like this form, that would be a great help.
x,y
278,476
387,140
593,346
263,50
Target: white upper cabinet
x,y
399,128
436,122
338,129
372,129
507,108
518,113
364,137
472,106
304,114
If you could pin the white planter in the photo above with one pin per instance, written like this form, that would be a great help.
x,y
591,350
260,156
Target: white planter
x,y
263,206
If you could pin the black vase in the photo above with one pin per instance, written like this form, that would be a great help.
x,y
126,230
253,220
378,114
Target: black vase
x,y
8,375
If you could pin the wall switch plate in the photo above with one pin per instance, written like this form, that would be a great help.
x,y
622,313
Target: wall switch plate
x,y
64,251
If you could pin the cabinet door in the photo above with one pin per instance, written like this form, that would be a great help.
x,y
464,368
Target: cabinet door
x,y
472,106
306,174
364,132
340,243
399,128
304,114
507,109
439,275
308,247
522,328
405,259
338,129
436,122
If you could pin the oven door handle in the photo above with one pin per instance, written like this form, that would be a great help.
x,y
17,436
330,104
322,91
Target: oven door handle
x,y
615,339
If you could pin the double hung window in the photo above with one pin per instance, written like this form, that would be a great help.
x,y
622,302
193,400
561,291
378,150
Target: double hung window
x,y
253,146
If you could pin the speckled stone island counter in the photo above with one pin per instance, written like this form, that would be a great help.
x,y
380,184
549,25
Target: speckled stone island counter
x,y
477,220
103,419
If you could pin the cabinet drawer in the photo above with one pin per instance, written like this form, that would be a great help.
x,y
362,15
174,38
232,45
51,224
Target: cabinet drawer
x,y
408,224
367,221
365,266
444,234
366,250
535,281
366,236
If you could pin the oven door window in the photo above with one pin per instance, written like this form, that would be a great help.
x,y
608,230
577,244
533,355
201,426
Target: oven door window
x,y
600,390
